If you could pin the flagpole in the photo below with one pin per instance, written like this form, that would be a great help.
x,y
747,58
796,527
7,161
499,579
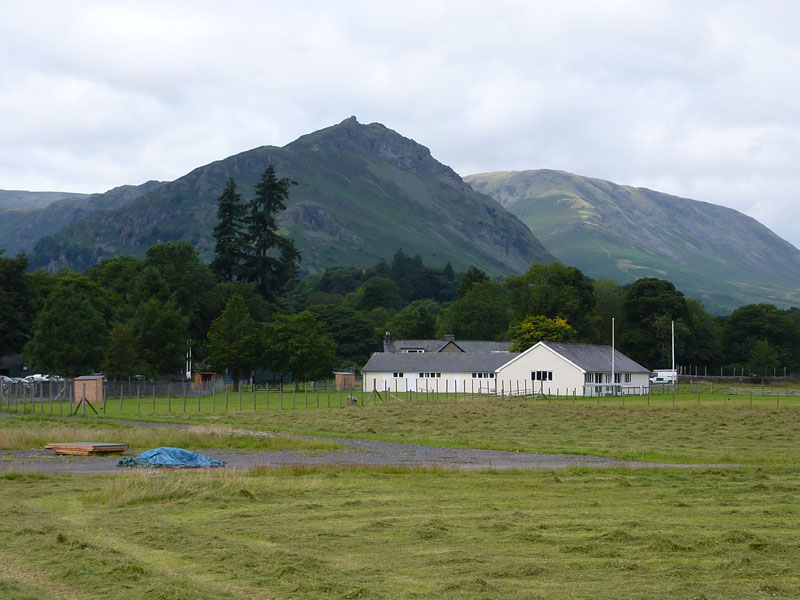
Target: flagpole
x,y
673,348
612,356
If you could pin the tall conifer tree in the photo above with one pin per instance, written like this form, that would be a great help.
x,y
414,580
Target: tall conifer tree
x,y
271,260
228,234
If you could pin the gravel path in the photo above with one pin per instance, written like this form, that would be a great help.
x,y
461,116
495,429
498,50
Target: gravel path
x,y
353,452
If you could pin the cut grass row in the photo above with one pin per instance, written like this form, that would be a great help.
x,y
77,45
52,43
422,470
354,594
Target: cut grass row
x,y
393,533
28,432
762,435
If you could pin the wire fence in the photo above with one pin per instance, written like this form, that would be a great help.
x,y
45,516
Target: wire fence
x,y
131,399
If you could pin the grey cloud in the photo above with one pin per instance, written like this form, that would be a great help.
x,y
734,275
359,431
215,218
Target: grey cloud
x,y
694,99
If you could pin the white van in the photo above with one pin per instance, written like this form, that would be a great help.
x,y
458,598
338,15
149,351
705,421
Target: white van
x,y
669,376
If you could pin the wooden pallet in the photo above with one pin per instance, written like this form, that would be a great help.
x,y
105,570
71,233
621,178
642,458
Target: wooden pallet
x,y
85,448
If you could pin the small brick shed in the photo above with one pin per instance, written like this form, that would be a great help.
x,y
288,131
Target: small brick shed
x,y
93,387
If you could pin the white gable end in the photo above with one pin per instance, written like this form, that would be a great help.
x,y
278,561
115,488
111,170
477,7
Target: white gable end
x,y
541,368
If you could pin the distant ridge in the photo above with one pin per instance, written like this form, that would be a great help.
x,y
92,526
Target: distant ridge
x,y
364,191
22,228
710,252
23,200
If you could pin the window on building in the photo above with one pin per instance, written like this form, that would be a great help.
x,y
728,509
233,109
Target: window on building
x,y
397,374
627,377
617,377
541,375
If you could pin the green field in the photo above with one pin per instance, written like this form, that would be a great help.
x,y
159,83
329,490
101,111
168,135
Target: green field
x,y
384,533
720,428
414,533
33,432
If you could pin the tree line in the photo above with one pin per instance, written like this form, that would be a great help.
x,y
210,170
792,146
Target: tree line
x,y
247,309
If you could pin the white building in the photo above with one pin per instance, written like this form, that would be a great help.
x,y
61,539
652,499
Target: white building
x,y
546,368
580,369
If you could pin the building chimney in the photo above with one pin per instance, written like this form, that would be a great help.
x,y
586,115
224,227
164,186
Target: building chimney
x,y
388,345
449,337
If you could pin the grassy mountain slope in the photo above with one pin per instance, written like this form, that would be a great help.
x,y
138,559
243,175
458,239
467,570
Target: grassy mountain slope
x,y
20,199
710,252
21,229
364,191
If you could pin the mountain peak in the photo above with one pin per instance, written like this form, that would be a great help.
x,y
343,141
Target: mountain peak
x,y
375,140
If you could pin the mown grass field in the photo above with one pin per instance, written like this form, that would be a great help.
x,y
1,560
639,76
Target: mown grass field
x,y
387,533
689,427
31,432
335,532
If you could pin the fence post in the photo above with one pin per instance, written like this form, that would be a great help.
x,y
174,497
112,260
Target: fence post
x,y
329,394
226,396
214,396
294,393
184,396
280,391
751,398
169,396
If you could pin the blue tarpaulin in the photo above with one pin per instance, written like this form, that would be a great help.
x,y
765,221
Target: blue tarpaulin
x,y
170,457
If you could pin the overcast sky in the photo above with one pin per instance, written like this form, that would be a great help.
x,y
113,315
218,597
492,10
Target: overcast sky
x,y
698,99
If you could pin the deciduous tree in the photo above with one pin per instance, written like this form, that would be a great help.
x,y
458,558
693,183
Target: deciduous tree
x,y
234,341
538,328
69,335
297,344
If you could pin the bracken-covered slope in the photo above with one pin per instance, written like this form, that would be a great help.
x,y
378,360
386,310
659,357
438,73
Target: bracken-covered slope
x,y
21,228
363,192
710,252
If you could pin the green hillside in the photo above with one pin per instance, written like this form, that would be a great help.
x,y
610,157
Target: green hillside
x,y
710,252
364,191
22,228
22,200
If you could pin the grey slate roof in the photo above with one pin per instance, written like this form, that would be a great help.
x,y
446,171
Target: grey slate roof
x,y
441,362
465,345
594,358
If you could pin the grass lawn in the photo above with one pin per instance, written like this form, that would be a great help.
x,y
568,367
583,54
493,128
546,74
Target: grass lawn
x,y
29,432
722,429
348,533
384,533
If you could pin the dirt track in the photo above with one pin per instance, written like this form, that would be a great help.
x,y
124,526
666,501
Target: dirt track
x,y
354,452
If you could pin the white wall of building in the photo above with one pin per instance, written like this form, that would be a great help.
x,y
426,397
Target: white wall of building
x,y
514,377
412,382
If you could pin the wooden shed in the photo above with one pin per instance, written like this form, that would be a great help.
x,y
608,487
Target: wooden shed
x,y
345,380
89,387
202,381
